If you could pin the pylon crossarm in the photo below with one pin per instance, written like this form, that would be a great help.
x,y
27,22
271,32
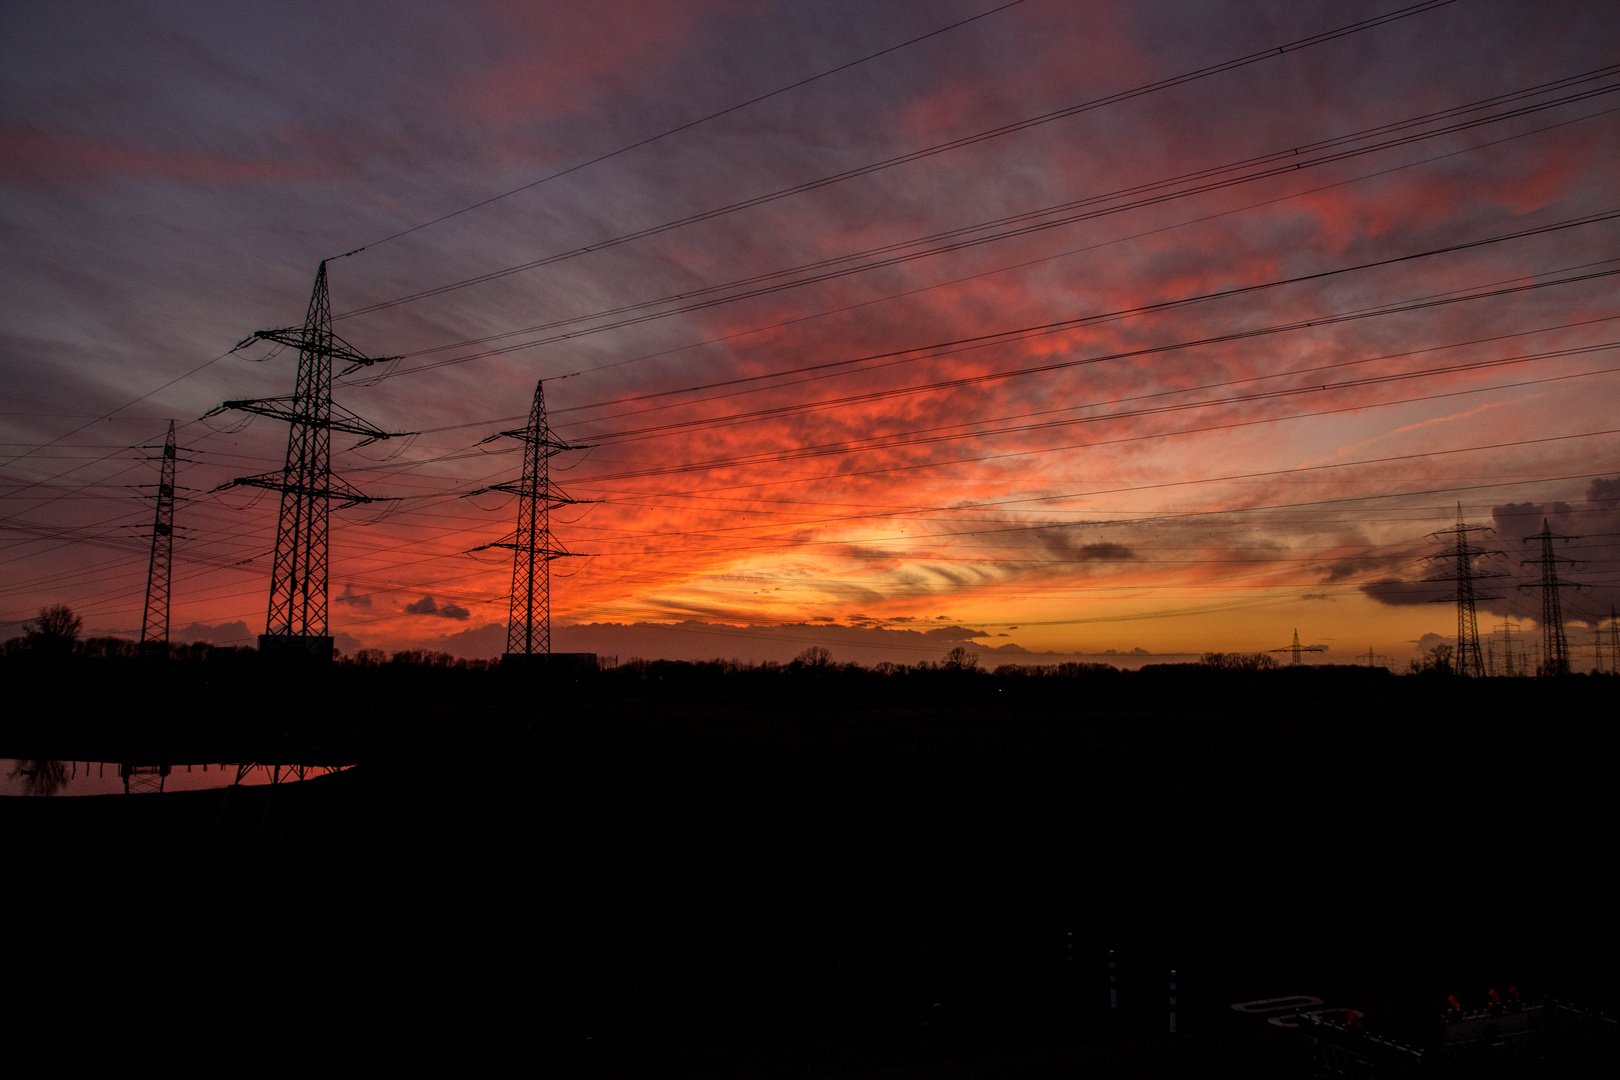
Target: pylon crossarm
x,y
284,408
551,499
546,554
336,490
351,424
299,337
552,446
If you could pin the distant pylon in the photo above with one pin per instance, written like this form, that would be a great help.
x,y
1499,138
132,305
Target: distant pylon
x,y
1554,646
296,622
528,627
1614,642
155,624
1507,649
1469,661
1296,648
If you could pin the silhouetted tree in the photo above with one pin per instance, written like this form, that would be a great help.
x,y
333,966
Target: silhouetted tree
x,y
960,659
816,657
1436,660
54,632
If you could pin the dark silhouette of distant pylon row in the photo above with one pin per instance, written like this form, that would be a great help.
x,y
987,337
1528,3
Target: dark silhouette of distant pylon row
x,y
1555,647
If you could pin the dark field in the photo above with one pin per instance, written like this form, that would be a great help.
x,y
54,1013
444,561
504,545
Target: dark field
x,y
718,876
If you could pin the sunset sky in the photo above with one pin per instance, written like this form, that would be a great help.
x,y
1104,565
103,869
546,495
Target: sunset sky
x,y
1051,325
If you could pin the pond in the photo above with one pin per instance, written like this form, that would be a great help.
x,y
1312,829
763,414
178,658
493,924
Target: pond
x,y
26,776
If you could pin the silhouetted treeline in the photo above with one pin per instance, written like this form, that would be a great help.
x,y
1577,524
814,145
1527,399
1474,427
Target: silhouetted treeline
x,y
813,667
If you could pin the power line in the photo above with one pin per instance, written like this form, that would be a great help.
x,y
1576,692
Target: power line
x,y
683,127
1027,263
916,352
926,152
1277,163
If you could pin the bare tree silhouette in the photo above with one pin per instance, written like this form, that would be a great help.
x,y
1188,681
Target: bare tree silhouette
x,y
816,657
54,632
1437,659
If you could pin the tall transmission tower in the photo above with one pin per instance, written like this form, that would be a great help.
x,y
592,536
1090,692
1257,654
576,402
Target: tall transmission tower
x,y
1507,649
296,624
1614,642
528,628
1296,648
155,624
1469,660
1554,645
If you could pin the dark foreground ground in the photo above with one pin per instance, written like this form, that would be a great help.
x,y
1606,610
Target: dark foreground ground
x,y
649,882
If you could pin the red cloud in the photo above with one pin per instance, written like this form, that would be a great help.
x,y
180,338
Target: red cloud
x,y
1422,197
560,53
31,156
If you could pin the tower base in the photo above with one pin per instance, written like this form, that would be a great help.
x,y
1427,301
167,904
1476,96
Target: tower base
x,y
304,648
571,666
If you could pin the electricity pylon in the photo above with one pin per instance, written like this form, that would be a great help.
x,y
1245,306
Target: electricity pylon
x,y
1469,661
155,624
1296,648
1554,646
1507,648
528,627
1614,642
296,623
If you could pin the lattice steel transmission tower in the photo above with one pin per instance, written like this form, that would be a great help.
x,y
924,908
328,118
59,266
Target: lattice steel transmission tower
x,y
155,624
296,624
1469,661
533,546
1554,645
1296,648
1507,649
1614,642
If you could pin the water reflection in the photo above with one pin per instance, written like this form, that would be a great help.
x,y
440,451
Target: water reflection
x,y
139,778
21,776
39,777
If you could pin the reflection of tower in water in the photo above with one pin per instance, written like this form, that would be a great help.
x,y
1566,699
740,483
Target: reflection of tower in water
x,y
142,778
